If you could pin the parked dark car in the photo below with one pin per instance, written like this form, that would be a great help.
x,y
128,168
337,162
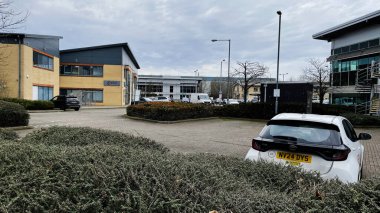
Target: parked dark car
x,y
66,102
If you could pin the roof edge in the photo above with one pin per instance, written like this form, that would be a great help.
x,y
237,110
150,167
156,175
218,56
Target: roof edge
x,y
124,45
345,25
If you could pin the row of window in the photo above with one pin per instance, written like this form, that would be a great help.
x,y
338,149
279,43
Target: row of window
x,y
74,70
188,89
43,61
356,47
150,88
84,96
354,64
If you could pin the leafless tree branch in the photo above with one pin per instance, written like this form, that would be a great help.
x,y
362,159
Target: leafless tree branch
x,y
247,74
318,72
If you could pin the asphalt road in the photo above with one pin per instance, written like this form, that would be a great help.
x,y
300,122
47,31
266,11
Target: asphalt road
x,y
220,136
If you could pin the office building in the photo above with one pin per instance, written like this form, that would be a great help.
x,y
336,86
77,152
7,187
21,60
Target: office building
x,y
354,58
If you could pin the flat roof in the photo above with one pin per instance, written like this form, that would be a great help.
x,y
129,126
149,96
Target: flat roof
x,y
123,45
355,24
25,35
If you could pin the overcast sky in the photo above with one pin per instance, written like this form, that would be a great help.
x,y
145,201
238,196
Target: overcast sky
x,y
172,37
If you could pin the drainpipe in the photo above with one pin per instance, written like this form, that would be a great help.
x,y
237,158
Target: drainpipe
x,y
19,67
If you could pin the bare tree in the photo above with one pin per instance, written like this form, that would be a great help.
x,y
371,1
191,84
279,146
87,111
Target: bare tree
x,y
9,20
247,74
318,72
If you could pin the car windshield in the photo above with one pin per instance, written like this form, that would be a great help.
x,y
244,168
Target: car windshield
x,y
203,97
162,98
303,132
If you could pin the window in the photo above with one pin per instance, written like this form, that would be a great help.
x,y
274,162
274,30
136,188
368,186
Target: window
x,y
337,51
171,89
335,66
42,93
42,61
373,43
85,96
345,49
345,66
76,70
187,89
354,47
150,88
350,132
303,132
353,65
363,45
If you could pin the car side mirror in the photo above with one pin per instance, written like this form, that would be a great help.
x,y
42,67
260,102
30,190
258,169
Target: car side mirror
x,y
364,136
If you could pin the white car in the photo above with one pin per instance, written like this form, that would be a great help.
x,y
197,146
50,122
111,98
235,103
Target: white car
x,y
160,99
185,99
230,101
322,143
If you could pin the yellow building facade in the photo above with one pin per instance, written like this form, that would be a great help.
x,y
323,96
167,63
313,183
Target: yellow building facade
x,y
32,67
99,76
253,92
24,76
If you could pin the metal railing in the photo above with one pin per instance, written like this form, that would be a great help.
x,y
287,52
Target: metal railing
x,y
363,108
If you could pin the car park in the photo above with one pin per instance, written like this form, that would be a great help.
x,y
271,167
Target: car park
x,y
321,143
64,102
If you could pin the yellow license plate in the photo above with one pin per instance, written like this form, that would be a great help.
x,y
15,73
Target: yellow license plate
x,y
294,157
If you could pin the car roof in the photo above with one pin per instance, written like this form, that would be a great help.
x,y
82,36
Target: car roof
x,y
327,119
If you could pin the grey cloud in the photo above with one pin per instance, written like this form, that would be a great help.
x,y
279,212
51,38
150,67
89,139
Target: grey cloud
x,y
173,36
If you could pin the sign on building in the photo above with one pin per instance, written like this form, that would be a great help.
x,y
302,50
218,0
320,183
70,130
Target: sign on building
x,y
111,83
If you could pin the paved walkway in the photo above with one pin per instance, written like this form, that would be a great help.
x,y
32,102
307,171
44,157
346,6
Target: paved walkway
x,y
220,136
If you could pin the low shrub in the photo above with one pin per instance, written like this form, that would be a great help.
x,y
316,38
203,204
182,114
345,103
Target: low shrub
x,y
8,135
82,136
31,104
170,111
13,114
104,176
362,120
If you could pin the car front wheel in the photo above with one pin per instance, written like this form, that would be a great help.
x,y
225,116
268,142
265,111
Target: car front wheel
x,y
77,109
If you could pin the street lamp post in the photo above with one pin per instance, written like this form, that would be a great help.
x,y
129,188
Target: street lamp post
x,y
220,79
283,74
229,59
195,72
278,59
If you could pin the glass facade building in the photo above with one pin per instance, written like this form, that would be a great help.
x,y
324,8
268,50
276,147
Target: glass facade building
x,y
355,47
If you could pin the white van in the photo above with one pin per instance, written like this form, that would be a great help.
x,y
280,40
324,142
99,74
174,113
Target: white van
x,y
200,98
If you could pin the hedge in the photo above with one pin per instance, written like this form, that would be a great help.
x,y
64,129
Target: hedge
x,y
13,114
170,111
56,175
8,135
31,104
362,120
